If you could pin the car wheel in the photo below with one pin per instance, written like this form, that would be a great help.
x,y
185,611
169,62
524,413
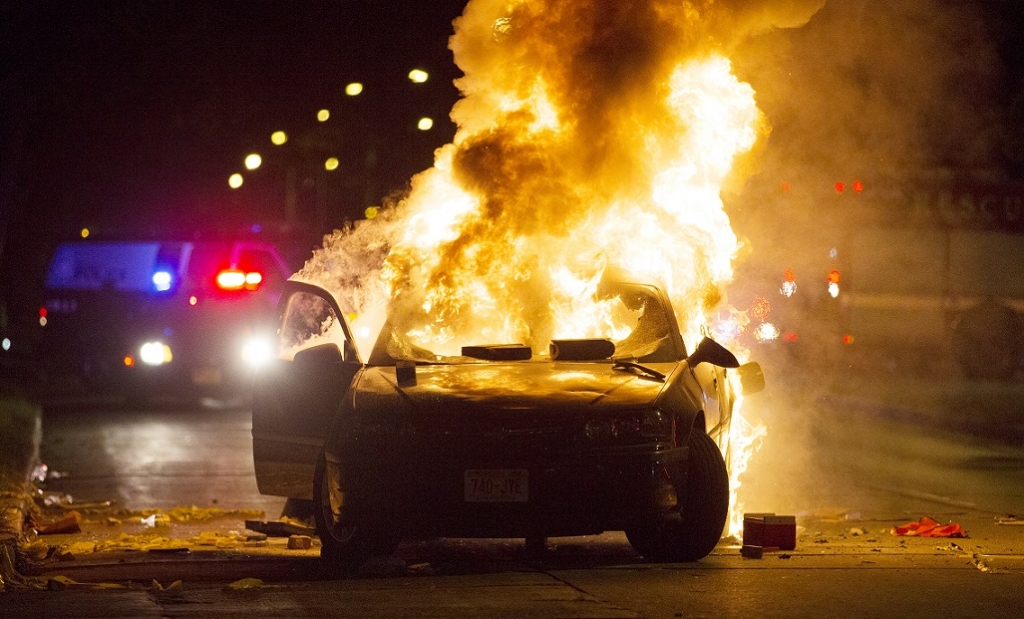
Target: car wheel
x,y
690,532
342,540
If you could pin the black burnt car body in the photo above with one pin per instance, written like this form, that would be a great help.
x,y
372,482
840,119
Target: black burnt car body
x,y
500,441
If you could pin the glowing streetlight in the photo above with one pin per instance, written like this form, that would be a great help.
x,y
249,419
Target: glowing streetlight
x,y
331,163
425,124
323,115
235,181
278,138
85,233
353,89
418,76
253,161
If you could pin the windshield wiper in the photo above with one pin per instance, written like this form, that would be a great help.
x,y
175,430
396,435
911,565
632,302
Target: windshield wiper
x,y
645,371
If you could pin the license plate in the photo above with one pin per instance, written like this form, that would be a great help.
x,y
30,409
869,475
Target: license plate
x,y
496,485
206,376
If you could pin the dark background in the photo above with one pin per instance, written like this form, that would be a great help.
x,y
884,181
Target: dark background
x,y
129,117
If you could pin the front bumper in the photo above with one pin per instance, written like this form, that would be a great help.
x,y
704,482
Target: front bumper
x,y
427,494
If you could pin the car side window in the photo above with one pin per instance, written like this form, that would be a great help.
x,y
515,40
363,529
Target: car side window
x,y
309,320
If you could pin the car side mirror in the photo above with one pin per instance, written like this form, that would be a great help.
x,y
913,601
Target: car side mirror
x,y
712,352
751,378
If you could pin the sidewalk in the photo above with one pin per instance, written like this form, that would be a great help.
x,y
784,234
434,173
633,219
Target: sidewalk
x,y
20,435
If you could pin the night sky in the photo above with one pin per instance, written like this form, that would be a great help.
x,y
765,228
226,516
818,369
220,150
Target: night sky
x,y
130,116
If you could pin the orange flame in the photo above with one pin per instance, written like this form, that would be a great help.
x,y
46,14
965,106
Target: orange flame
x,y
592,134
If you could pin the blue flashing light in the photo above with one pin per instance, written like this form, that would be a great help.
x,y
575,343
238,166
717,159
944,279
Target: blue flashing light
x,y
162,281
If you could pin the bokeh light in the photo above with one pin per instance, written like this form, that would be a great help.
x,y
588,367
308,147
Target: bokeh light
x,y
418,76
235,180
353,89
425,124
323,115
253,161
278,137
331,163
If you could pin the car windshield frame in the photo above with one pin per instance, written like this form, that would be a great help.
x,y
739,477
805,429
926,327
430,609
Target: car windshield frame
x,y
655,339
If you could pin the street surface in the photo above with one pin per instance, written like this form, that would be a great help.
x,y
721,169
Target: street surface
x,y
849,474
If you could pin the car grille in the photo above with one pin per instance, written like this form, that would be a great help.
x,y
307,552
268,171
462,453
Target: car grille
x,y
486,434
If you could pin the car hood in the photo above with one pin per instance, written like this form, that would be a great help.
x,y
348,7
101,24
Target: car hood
x,y
534,386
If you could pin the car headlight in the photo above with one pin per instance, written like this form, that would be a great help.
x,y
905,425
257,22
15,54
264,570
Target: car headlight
x,y
629,428
257,350
155,353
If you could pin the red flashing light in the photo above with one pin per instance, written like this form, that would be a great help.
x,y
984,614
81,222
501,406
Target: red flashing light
x,y
790,336
42,312
129,361
858,186
833,277
785,187
235,279
840,186
790,276
847,339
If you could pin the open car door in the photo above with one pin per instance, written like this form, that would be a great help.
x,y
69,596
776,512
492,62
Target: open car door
x,y
297,394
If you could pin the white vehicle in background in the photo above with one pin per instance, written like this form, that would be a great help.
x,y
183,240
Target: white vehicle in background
x,y
152,317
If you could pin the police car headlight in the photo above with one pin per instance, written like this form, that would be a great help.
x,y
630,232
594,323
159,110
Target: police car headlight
x,y
155,353
257,350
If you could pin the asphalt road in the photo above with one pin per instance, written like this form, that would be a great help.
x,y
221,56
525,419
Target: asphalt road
x,y
848,473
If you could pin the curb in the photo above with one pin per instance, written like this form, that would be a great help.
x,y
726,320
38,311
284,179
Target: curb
x,y
15,497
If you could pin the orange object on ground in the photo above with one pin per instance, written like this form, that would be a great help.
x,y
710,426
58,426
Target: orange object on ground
x,y
926,527
67,524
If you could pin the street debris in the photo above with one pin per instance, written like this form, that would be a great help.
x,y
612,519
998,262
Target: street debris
x,y
284,527
70,523
300,542
245,584
756,552
927,527
156,520
980,563
1009,519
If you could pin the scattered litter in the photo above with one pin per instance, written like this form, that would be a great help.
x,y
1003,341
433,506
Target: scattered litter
x,y
927,527
175,588
979,562
61,500
245,584
756,552
300,542
81,548
68,524
285,527
157,520
784,556
1009,519
857,532
112,522
39,473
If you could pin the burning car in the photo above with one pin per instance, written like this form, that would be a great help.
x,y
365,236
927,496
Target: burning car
x,y
500,440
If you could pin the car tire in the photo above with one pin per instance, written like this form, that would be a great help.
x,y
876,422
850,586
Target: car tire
x,y
692,531
347,545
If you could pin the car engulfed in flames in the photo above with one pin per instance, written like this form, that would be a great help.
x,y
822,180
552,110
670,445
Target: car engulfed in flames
x,y
629,432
